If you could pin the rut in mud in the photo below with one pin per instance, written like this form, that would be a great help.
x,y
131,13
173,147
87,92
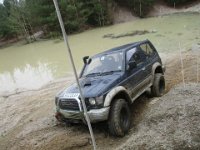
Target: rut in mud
x,y
27,118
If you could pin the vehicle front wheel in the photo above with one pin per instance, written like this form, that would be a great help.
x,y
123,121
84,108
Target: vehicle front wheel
x,y
158,86
119,118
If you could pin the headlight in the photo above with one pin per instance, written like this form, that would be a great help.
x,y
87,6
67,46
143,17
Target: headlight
x,y
92,101
99,100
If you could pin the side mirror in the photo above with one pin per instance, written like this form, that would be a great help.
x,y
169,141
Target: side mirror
x,y
132,65
85,59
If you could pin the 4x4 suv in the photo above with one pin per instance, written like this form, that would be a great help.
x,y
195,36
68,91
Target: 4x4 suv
x,y
111,81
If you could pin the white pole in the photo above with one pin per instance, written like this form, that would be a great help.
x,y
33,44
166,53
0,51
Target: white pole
x,y
182,71
75,73
197,68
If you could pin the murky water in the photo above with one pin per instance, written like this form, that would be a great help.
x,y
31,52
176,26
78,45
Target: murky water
x,y
46,60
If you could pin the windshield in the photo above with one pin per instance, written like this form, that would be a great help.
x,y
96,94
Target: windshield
x,y
106,63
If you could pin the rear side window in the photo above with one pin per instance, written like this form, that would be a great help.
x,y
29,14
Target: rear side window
x,y
129,54
146,48
136,55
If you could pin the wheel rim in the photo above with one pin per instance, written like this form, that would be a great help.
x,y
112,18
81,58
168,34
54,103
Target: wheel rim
x,y
124,118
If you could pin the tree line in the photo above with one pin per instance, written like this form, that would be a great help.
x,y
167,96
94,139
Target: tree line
x,y
24,17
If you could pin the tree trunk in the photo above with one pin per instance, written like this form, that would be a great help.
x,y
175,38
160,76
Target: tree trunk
x,y
101,16
31,30
77,16
25,30
140,9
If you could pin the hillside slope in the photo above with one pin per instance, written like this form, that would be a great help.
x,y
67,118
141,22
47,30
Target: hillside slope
x,y
160,8
172,122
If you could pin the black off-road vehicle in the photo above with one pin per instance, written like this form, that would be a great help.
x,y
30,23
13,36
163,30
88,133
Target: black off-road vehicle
x,y
111,81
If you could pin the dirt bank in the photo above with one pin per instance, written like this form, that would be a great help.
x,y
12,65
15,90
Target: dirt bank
x,y
27,118
160,8
171,122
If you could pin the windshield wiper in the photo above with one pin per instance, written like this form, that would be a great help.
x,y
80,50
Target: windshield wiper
x,y
93,74
110,72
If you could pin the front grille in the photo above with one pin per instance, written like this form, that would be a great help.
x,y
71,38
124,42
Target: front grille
x,y
69,104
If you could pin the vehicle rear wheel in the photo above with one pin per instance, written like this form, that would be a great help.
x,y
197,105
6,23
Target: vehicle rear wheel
x,y
119,118
158,87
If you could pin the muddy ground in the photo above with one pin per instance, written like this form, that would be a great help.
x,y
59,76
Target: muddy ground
x,y
171,122
27,119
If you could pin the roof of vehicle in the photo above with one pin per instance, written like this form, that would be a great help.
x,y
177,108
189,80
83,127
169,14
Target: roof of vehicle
x,y
123,47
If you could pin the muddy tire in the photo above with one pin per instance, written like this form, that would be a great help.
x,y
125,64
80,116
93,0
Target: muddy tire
x,y
119,118
158,87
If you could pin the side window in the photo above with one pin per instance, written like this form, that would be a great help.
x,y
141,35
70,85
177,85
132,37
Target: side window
x,y
135,55
146,48
129,54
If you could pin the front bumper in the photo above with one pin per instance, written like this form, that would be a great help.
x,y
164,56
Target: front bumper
x,y
95,115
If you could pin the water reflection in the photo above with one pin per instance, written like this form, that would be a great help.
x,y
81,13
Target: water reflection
x,y
25,79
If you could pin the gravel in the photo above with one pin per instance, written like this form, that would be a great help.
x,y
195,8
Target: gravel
x,y
172,122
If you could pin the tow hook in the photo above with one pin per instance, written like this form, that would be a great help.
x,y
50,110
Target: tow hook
x,y
59,116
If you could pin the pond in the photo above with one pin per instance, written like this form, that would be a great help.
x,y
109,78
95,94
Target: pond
x,y
33,65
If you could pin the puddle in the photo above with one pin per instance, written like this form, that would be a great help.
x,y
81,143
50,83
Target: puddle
x,y
25,79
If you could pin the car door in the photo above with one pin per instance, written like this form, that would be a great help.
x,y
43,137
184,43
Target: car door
x,y
135,75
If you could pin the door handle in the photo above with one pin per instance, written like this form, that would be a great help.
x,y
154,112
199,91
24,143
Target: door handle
x,y
143,68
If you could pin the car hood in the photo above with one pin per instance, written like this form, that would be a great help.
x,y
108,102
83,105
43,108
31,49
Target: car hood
x,y
94,86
